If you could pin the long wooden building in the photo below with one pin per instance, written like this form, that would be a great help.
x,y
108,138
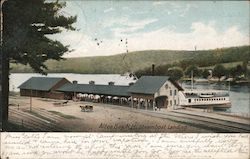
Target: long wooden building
x,y
44,87
148,92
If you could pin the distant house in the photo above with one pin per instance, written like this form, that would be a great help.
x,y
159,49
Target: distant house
x,y
44,87
155,91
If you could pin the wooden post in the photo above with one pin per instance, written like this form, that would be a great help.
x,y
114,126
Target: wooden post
x,y
138,103
30,99
132,101
154,104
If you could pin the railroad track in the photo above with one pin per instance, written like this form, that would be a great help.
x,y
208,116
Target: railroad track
x,y
244,124
218,125
209,123
44,122
52,117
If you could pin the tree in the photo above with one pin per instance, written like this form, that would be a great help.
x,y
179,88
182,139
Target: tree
x,y
161,70
175,73
26,25
205,73
237,71
219,71
195,69
144,72
244,66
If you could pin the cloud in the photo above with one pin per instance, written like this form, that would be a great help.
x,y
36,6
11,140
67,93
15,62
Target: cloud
x,y
201,35
84,45
109,22
204,36
183,10
125,21
125,8
108,10
131,26
157,3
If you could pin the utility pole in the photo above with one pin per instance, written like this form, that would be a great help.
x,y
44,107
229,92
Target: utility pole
x,y
192,80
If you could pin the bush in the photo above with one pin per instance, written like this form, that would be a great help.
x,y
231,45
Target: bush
x,y
205,73
195,69
219,71
175,73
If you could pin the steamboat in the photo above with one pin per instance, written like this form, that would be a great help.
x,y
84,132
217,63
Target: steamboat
x,y
217,99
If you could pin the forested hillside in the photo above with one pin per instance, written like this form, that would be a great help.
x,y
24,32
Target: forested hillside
x,y
140,60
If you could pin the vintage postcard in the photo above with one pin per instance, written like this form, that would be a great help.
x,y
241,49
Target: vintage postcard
x,y
121,78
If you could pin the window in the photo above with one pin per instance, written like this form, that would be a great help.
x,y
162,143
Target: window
x,y
174,102
166,86
170,102
189,100
170,92
175,92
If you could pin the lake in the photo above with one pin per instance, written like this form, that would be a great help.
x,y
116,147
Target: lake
x,y
239,95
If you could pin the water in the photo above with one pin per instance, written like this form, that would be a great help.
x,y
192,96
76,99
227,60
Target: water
x,y
239,95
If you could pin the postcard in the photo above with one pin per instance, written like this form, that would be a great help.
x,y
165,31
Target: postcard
x,y
125,79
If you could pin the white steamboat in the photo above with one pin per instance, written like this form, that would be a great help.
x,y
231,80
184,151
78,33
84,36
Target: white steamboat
x,y
205,98
198,98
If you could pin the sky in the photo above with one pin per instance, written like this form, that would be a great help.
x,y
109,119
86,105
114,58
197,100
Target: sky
x,y
114,27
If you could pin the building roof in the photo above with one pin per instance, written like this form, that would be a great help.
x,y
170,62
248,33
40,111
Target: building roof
x,y
148,84
40,83
176,84
112,90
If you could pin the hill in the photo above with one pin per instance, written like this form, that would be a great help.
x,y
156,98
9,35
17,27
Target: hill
x,y
138,60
